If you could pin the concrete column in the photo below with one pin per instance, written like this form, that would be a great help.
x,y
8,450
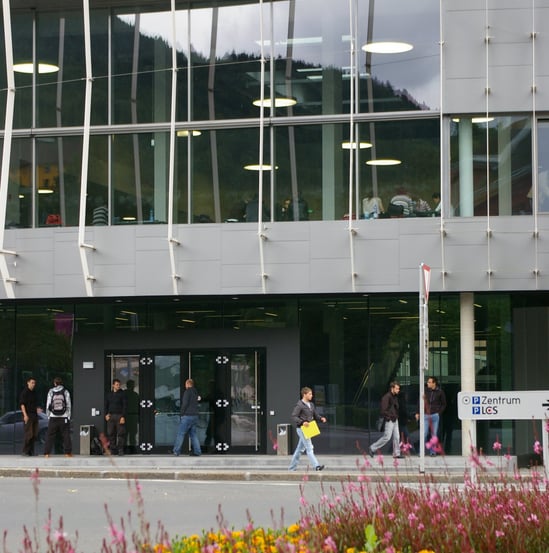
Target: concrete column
x,y
467,330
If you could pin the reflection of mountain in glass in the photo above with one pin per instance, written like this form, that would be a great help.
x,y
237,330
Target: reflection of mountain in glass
x,y
223,91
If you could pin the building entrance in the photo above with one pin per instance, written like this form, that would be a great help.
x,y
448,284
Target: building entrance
x,y
230,383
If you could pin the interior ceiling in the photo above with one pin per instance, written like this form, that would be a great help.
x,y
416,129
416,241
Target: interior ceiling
x,y
126,5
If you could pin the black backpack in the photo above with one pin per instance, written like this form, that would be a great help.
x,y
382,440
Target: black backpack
x,y
58,404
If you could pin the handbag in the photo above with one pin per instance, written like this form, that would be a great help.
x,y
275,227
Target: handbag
x,y
380,424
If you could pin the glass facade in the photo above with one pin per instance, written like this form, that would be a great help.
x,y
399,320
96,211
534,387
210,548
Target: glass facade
x,y
290,110
351,347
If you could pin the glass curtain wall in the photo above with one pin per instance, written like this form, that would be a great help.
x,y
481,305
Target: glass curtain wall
x,y
491,166
351,348
312,59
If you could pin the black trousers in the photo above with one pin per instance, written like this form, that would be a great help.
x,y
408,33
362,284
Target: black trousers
x,y
30,435
116,432
58,425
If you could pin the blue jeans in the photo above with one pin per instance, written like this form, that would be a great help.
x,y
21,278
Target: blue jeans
x,y
431,427
187,425
391,431
304,444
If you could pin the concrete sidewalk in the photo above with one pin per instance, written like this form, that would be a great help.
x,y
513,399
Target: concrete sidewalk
x,y
249,467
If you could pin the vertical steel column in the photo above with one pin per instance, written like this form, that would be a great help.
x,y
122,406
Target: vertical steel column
x,y
6,151
173,242
83,247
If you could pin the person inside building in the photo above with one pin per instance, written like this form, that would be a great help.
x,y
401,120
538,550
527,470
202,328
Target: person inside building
x,y
116,407
132,416
372,206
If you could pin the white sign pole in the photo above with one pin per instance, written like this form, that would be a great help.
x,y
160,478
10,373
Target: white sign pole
x,y
424,281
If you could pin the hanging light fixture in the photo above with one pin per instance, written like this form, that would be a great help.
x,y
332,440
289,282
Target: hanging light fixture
x,y
362,145
383,162
279,102
387,47
28,68
186,133
257,167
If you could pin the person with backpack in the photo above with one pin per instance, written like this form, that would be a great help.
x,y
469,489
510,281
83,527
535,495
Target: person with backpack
x,y
58,409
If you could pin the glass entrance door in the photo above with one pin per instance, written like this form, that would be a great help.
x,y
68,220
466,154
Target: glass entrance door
x,y
230,383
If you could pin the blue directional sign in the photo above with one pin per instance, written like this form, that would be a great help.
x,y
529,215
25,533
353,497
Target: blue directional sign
x,y
503,405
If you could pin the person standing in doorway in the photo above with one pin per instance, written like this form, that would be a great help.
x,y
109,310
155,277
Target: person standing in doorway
x,y
58,408
389,411
189,420
28,402
115,415
435,403
304,412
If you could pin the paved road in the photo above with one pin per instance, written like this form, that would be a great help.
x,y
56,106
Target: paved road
x,y
184,507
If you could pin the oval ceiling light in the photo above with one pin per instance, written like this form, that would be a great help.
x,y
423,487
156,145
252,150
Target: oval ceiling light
x,y
45,191
257,167
387,47
278,102
185,133
352,145
386,162
28,68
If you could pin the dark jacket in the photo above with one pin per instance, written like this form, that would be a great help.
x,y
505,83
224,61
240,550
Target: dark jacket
x,y
435,401
389,407
302,413
189,402
29,399
116,403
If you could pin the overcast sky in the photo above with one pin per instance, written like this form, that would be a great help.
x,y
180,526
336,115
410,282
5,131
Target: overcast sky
x,y
321,37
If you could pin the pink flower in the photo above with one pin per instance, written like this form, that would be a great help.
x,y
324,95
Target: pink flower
x,y
117,535
329,544
59,536
537,448
496,446
499,534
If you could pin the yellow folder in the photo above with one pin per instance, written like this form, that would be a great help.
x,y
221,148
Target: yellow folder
x,y
310,430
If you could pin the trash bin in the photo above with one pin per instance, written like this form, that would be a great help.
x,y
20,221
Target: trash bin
x,y
86,438
284,433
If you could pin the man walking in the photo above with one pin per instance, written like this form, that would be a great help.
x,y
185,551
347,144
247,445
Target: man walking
x,y
58,408
389,411
435,403
189,420
115,415
304,412
29,406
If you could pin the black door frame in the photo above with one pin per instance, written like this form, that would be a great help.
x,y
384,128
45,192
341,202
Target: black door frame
x,y
221,410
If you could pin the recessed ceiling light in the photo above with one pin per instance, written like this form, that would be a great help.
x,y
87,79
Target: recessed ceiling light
x,y
387,47
384,162
45,191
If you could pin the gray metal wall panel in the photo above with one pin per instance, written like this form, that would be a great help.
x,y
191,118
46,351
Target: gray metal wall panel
x,y
387,254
